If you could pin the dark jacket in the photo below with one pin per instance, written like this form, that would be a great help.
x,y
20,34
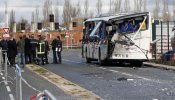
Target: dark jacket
x,y
34,44
59,44
4,45
47,46
54,43
27,46
20,46
12,48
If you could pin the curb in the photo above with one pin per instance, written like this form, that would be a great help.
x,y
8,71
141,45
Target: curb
x,y
167,67
68,87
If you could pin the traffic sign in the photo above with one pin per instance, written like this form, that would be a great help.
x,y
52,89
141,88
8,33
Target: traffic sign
x,y
6,30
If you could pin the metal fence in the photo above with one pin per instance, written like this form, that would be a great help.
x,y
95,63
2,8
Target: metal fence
x,y
162,32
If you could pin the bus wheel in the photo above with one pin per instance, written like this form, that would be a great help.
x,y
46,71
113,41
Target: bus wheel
x,y
137,63
88,60
101,62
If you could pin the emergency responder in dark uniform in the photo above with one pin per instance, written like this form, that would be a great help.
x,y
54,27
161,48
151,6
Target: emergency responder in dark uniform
x,y
27,49
34,44
46,49
4,46
41,49
59,49
12,50
53,44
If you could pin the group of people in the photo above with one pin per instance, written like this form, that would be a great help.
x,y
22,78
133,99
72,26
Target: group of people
x,y
29,48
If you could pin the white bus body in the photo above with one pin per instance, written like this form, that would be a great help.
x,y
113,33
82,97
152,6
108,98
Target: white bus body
x,y
118,38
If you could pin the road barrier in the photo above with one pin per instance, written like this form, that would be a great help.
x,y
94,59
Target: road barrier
x,y
18,83
5,66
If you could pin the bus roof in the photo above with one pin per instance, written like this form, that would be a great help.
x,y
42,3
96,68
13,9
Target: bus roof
x,y
117,17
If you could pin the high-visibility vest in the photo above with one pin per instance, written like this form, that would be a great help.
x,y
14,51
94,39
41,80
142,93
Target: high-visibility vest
x,y
41,48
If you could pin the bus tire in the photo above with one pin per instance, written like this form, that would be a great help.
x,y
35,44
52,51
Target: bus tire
x,y
101,62
137,63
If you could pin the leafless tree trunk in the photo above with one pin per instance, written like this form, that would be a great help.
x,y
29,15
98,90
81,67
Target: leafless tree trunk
x,y
76,10
46,11
156,9
126,6
138,5
91,14
36,14
67,13
57,12
86,8
174,10
117,6
99,7
145,5
165,13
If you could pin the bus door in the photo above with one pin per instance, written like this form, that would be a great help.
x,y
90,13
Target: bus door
x,y
94,40
100,40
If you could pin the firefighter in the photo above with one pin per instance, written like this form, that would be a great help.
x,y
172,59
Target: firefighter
x,y
34,44
41,48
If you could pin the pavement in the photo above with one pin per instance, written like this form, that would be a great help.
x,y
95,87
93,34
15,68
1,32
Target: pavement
x,y
167,67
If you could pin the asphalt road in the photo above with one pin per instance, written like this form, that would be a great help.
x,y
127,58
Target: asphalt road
x,y
34,85
116,82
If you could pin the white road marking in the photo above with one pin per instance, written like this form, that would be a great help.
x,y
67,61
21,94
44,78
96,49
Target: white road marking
x,y
11,97
5,83
3,78
72,61
8,89
1,73
102,68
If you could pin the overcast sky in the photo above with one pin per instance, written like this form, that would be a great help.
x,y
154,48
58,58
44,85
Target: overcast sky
x,y
24,8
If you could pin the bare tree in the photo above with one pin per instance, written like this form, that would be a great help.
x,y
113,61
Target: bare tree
x,y
57,11
91,14
36,14
126,6
117,6
174,10
47,9
76,10
138,5
165,13
99,7
86,8
156,9
67,13
145,5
